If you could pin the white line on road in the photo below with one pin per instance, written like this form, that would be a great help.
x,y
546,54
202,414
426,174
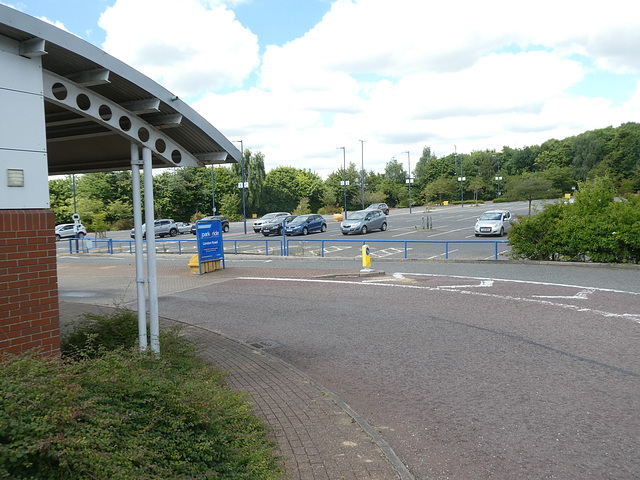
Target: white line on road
x,y
627,316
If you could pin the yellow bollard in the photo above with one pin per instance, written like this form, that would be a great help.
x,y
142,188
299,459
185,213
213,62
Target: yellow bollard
x,y
366,256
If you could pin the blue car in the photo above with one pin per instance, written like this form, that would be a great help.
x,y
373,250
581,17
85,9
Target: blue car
x,y
304,224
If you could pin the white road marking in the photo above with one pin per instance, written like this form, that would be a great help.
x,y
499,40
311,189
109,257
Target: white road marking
x,y
582,295
483,283
626,316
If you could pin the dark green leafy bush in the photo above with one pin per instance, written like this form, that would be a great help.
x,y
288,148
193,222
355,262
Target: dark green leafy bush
x,y
597,227
125,414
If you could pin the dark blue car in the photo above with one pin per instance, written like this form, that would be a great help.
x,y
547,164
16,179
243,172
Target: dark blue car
x,y
304,224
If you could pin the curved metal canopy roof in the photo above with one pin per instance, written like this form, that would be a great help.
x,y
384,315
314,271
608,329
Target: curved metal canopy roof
x,y
95,106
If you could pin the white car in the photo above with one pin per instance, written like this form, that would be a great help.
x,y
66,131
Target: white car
x,y
493,222
183,227
66,230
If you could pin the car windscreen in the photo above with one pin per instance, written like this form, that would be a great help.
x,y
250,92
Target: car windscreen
x,y
298,220
491,216
357,215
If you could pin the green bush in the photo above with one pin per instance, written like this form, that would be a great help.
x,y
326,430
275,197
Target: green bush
x,y
597,227
124,414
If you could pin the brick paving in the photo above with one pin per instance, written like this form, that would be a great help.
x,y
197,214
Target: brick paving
x,y
317,434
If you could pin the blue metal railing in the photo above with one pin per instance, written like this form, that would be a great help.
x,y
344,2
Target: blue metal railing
x,y
81,244
405,242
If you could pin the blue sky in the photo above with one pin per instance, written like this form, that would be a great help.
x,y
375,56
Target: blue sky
x,y
295,79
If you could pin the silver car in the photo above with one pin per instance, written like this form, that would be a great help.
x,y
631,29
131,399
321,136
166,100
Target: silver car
x,y
363,221
268,218
67,230
493,222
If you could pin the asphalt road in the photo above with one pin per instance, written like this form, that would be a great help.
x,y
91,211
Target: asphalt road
x,y
464,377
467,369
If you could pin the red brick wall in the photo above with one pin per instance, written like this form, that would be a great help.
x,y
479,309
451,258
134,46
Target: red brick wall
x,y
29,315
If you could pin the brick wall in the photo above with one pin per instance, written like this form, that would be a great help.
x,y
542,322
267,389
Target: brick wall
x,y
29,316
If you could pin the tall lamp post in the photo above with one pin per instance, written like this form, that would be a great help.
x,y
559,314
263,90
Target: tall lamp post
x,y
461,179
409,179
362,144
244,212
344,178
498,178
213,192
455,163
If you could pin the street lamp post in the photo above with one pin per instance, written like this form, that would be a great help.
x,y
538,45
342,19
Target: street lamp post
x,y
409,179
362,144
498,178
244,212
213,192
461,179
455,163
73,180
344,178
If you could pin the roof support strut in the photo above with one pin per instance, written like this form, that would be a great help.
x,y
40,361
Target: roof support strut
x,y
137,225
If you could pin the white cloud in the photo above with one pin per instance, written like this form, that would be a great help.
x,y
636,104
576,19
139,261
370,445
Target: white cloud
x,y
191,47
400,75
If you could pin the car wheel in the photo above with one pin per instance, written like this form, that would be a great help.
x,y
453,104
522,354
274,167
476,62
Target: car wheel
x,y
80,234
323,228
280,231
364,230
345,233
477,235
225,229
383,227
305,230
501,231
57,237
173,232
265,234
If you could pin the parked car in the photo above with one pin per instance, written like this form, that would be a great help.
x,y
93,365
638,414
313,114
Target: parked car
x,y
363,221
266,218
65,230
274,227
183,227
493,222
379,206
224,222
304,224
161,228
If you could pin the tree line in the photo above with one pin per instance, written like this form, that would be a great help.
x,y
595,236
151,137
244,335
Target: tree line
x,y
104,200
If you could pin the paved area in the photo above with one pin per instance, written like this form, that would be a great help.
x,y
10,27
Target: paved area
x,y
320,437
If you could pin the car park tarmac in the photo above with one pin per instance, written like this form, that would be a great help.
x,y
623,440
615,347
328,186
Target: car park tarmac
x,y
464,369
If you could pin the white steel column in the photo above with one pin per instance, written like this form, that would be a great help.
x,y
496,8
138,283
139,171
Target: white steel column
x,y
154,327
137,224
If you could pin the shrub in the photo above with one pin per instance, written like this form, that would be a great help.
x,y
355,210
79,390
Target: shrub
x,y
127,414
596,227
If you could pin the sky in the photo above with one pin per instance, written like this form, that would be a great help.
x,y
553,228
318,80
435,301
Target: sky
x,y
299,79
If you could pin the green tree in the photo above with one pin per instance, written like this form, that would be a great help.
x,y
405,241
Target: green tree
x,y
282,191
230,206
61,199
529,187
476,185
442,187
395,172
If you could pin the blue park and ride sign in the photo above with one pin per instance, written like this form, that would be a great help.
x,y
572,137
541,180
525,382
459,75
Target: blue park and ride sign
x,y
209,239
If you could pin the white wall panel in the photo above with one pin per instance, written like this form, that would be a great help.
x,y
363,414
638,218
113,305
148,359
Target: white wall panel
x,y
23,140
35,193
20,73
